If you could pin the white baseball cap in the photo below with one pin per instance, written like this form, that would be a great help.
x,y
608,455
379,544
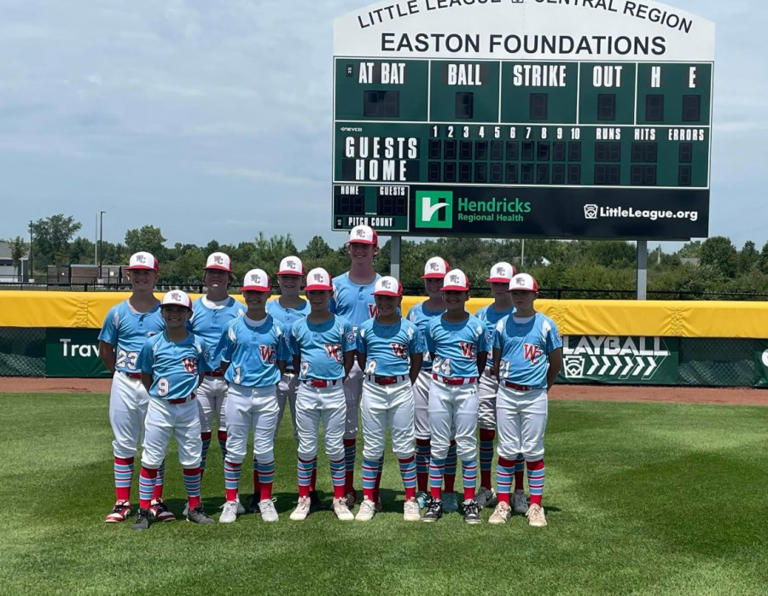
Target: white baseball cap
x,y
363,234
177,298
501,273
318,279
291,266
220,261
523,281
142,260
435,268
455,279
388,286
256,280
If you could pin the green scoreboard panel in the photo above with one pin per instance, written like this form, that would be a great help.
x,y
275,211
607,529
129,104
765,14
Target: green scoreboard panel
x,y
520,146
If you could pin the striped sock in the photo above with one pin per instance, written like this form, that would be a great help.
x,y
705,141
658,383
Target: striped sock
x,y
157,493
256,482
338,477
408,472
304,469
486,456
422,464
505,470
370,470
231,479
469,478
123,469
350,452
376,489
519,472
436,472
536,480
313,479
147,478
450,468
192,486
223,444
266,474
206,437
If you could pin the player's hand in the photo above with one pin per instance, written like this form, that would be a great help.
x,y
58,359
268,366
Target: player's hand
x,y
284,383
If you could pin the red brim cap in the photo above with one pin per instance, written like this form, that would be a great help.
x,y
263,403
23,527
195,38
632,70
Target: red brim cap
x,y
455,288
219,268
314,287
141,267
255,289
290,272
433,276
387,293
498,280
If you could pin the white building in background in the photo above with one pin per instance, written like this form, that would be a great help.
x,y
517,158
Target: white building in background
x,y
8,272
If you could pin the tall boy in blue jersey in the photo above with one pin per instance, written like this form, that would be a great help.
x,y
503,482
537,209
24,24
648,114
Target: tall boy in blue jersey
x,y
501,274
353,299
390,350
171,364
253,350
528,354
323,347
457,342
126,328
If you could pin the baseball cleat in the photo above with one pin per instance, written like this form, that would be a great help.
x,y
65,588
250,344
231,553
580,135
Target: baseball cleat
x,y
536,517
228,513
268,511
411,510
422,498
199,516
240,508
351,498
450,503
501,514
302,510
367,510
434,510
253,506
159,511
120,512
185,510
341,510
519,502
471,512
315,504
142,520
486,497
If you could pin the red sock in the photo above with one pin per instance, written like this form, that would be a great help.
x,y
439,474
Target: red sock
x,y
193,501
486,434
533,466
450,480
503,495
123,493
148,473
422,469
376,488
435,492
313,481
349,475
256,481
520,473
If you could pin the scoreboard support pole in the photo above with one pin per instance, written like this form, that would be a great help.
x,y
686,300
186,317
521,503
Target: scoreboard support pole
x,y
394,260
642,269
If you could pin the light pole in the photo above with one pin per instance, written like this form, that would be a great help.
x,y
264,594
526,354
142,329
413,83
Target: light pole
x,y
31,260
101,238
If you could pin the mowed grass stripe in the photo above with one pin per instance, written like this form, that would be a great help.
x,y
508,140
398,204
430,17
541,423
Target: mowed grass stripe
x,y
662,498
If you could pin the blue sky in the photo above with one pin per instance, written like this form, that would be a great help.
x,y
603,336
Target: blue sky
x,y
212,120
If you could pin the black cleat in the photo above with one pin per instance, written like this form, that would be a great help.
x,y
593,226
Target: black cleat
x,y
199,516
142,520
472,512
434,510
253,507
315,504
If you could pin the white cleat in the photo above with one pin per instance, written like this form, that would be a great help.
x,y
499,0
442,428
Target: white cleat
x,y
501,514
536,517
268,511
341,510
519,502
228,513
367,511
411,510
302,509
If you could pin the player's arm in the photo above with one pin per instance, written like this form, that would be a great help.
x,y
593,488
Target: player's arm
x,y
416,359
482,358
146,380
349,362
296,363
362,358
107,355
555,364
497,363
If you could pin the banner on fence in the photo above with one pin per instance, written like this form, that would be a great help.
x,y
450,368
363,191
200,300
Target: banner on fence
x,y
73,353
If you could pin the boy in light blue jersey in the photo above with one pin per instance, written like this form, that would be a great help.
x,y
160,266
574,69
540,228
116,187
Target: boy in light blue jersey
x,y
528,354
323,347
171,366
390,349
126,328
253,352
353,299
457,342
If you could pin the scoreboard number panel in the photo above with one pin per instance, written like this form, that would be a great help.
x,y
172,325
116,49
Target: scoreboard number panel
x,y
523,118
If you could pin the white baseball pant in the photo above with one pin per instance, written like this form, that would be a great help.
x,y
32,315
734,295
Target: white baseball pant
x,y
353,388
286,394
385,406
453,414
251,408
180,420
128,402
522,420
316,404
421,404
212,399
486,397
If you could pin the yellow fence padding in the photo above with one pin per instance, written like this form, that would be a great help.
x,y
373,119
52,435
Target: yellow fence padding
x,y
664,318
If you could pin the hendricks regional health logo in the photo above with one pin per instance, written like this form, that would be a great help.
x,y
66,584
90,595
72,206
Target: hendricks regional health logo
x,y
434,209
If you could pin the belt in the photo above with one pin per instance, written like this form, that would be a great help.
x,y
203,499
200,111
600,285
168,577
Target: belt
x,y
131,375
321,382
382,380
182,400
455,380
518,387
214,373
290,371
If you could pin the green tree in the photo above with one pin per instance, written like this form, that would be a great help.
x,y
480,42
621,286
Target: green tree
x,y
51,237
748,257
719,254
18,250
146,238
81,251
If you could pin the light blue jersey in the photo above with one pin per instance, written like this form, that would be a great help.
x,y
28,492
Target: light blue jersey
x,y
175,366
421,316
209,323
388,347
490,316
286,317
456,345
128,330
353,301
525,348
321,347
253,352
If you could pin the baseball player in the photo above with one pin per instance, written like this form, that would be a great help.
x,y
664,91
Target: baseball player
x,y
323,347
457,342
126,328
501,274
353,299
211,314
390,350
253,351
528,354
171,364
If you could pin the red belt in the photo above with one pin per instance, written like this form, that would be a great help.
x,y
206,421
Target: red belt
x,y
214,373
131,375
182,400
455,380
518,387
382,380
321,382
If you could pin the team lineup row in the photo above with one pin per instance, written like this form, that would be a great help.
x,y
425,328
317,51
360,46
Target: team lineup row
x,y
345,349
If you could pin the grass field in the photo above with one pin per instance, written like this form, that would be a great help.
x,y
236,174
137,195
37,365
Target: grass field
x,y
641,498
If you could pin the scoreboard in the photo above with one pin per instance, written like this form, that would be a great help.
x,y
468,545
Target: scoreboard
x,y
485,118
